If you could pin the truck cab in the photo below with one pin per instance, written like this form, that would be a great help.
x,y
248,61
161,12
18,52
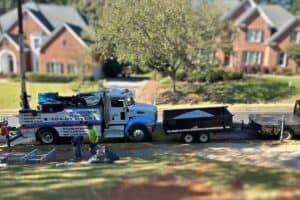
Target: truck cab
x,y
114,113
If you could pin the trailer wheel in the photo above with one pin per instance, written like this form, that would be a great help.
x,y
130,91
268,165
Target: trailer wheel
x,y
287,134
47,136
188,138
203,137
139,133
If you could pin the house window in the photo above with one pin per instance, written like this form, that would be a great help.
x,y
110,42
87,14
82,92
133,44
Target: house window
x,y
72,69
254,35
55,68
65,43
282,59
252,57
36,40
204,56
295,36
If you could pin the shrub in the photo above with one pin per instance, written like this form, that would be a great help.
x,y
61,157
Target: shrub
x,y
154,75
181,75
48,78
112,68
233,76
196,76
214,75
287,72
166,80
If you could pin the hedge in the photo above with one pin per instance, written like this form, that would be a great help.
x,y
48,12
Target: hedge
x,y
48,78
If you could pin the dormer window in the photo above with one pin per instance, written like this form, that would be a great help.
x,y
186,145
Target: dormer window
x,y
254,35
37,40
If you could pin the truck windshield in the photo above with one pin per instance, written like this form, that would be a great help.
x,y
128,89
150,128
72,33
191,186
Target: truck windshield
x,y
130,101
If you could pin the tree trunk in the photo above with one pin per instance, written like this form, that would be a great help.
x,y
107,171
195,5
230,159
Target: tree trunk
x,y
173,84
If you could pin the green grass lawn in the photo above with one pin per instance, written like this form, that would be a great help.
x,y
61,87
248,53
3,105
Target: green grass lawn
x,y
10,92
266,90
255,90
84,181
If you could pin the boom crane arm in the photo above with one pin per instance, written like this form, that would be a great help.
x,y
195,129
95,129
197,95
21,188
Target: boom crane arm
x,y
24,97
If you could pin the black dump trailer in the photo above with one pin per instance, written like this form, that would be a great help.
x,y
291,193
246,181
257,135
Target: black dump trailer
x,y
196,124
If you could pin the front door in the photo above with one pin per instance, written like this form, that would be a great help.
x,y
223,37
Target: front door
x,y
118,112
117,119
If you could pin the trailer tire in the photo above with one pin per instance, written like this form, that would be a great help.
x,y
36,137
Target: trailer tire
x,y
188,138
139,133
203,137
47,136
288,134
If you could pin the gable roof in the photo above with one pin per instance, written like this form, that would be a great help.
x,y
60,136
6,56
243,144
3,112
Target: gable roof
x,y
74,30
283,29
11,39
49,15
274,15
277,14
237,7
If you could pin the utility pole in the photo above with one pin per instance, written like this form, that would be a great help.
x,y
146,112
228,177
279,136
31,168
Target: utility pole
x,y
24,98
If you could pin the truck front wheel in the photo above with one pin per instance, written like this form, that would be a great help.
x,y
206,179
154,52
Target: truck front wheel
x,y
139,133
47,136
287,134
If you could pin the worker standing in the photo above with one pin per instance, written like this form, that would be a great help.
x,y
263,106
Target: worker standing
x,y
93,137
76,142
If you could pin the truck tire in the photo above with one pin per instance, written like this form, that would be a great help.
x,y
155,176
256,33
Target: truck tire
x,y
47,136
139,133
188,138
203,137
287,134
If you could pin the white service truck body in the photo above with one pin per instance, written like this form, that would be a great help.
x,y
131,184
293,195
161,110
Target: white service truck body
x,y
113,113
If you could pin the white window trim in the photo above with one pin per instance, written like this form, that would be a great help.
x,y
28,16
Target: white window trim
x,y
285,60
254,39
33,37
54,66
257,55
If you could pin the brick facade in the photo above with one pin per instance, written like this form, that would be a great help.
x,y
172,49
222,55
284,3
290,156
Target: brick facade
x,y
64,49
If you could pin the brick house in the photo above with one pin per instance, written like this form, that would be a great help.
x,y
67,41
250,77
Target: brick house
x,y
262,36
52,37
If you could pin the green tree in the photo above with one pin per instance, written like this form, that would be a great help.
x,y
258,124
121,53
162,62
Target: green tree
x,y
161,35
293,51
295,7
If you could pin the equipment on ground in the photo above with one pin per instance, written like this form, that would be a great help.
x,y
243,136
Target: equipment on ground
x,y
270,124
104,155
196,124
114,113
32,157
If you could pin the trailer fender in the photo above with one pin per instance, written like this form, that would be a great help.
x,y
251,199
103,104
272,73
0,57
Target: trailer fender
x,y
140,120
